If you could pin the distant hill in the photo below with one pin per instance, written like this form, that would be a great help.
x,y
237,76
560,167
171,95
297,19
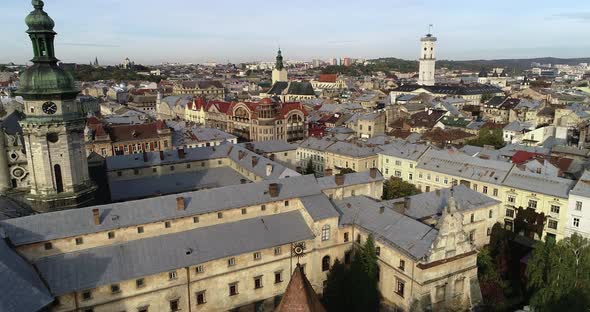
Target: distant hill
x,y
516,65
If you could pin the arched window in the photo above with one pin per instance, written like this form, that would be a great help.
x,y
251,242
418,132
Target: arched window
x,y
325,263
325,232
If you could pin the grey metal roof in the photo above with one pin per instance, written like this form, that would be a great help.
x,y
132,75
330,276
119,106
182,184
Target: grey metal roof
x,y
538,183
518,126
90,268
173,183
21,288
354,150
316,144
170,157
456,163
582,187
401,232
432,203
11,209
319,207
329,182
403,149
69,223
260,168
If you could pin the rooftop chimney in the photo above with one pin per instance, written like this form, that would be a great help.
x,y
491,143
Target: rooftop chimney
x,y
254,161
145,156
161,155
96,215
268,169
381,210
273,190
328,172
373,173
181,153
180,203
339,178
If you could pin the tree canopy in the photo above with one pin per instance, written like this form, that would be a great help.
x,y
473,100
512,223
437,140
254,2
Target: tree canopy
x,y
346,170
559,275
396,188
90,73
493,137
354,288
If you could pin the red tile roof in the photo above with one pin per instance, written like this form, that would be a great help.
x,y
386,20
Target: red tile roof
x,y
328,78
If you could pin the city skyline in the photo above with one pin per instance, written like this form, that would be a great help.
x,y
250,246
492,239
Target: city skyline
x,y
235,32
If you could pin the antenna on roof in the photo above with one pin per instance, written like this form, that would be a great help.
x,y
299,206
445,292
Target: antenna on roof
x,y
430,26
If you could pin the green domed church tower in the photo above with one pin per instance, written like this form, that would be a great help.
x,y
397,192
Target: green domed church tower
x,y
53,128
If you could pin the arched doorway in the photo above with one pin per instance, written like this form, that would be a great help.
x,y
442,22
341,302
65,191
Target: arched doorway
x,y
59,184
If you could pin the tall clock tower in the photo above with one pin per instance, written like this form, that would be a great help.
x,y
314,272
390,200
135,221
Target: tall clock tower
x,y
53,128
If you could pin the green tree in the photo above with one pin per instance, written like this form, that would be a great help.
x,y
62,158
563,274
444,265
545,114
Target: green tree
x,y
346,170
354,288
396,188
493,137
559,275
309,169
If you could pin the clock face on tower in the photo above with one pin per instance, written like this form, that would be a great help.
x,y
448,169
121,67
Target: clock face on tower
x,y
49,108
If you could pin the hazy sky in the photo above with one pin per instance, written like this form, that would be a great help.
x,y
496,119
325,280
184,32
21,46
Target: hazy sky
x,y
151,32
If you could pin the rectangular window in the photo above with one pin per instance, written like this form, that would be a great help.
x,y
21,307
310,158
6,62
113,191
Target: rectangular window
x,y
174,305
171,168
154,170
489,232
578,205
552,224
233,289
188,166
491,214
257,255
495,192
472,236
577,222
510,213
119,173
219,215
258,282
48,246
532,204
195,219
201,297
136,171
231,261
79,241
244,211
278,277
398,163
475,187
140,229
167,224
200,269
554,208
345,237
172,275
277,251
115,288
399,289
87,295
139,283
511,199
111,235
286,203
378,251
263,207
485,189
402,265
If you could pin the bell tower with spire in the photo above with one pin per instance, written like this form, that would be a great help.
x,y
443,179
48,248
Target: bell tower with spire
x,y
53,127
279,73
427,59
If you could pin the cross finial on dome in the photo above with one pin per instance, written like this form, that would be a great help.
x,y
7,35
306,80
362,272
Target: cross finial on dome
x,y
38,4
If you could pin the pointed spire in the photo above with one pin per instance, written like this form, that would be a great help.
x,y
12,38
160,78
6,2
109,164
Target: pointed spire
x,y
299,295
279,64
